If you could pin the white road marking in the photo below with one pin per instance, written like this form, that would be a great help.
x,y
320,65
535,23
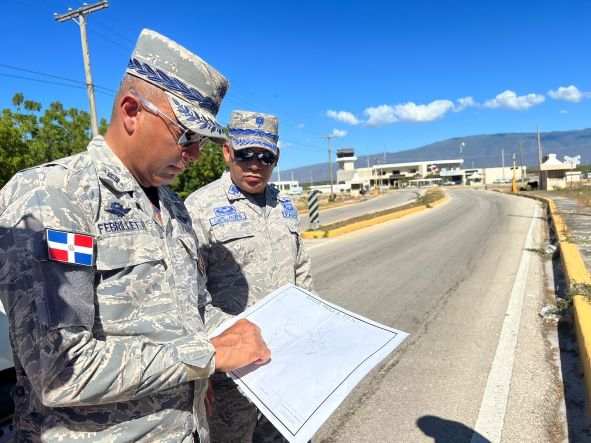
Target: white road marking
x,y
309,248
489,424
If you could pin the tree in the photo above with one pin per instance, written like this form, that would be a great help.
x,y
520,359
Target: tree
x,y
210,166
29,138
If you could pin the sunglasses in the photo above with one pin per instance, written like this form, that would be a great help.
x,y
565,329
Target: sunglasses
x,y
265,158
187,136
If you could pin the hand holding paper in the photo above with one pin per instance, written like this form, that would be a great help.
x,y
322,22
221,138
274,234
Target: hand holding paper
x,y
240,345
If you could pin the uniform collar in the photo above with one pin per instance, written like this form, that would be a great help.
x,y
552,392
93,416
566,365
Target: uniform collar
x,y
234,193
110,168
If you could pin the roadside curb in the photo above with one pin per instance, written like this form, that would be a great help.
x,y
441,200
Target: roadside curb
x,y
575,272
371,222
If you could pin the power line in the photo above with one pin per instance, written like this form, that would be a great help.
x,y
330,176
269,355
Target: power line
x,y
51,83
128,50
16,68
303,145
96,22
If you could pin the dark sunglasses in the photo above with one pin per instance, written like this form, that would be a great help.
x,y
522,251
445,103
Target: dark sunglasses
x,y
264,157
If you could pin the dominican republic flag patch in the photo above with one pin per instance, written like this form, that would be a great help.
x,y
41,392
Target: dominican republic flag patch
x,y
69,247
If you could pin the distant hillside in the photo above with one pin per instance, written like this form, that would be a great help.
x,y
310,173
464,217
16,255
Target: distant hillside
x,y
480,151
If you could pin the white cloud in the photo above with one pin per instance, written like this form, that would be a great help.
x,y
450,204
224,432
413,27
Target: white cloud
x,y
464,103
380,115
301,126
563,111
343,116
281,144
569,94
510,100
412,112
338,133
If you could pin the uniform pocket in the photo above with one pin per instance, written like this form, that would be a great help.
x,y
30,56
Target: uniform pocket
x,y
231,231
130,281
125,250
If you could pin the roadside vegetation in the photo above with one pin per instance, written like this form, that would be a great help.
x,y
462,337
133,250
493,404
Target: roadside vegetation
x,y
564,303
582,194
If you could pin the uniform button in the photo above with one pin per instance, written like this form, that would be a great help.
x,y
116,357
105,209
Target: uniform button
x,y
19,391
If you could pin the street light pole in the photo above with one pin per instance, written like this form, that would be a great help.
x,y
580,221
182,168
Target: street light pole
x,y
329,138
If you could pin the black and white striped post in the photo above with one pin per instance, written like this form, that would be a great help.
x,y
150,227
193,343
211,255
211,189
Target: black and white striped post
x,y
313,213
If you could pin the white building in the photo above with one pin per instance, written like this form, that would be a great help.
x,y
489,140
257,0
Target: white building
x,y
436,171
553,173
496,176
285,185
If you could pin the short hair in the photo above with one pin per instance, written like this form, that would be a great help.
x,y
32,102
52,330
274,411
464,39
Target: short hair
x,y
149,91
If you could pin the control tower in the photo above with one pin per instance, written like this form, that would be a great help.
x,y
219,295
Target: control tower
x,y
346,160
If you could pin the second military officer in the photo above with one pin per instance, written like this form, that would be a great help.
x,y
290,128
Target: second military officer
x,y
249,236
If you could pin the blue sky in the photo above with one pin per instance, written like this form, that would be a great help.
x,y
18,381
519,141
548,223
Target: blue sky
x,y
382,75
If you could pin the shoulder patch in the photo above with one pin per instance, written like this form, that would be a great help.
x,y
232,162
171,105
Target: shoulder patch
x,y
69,247
289,211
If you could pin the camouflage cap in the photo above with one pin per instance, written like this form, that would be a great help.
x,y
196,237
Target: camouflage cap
x,y
194,89
254,130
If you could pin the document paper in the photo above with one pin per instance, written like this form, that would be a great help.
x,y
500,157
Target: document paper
x,y
319,353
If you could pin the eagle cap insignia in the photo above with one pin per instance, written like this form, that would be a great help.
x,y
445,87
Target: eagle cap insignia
x,y
260,121
118,209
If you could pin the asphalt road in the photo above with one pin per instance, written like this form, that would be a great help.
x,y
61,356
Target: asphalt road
x,y
462,280
375,204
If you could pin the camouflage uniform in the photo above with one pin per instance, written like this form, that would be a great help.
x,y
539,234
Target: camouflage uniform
x,y
249,252
112,352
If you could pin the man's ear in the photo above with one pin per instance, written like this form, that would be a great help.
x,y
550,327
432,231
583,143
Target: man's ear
x,y
129,109
227,155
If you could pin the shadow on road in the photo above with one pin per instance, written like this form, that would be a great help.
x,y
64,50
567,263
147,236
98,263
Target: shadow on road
x,y
445,431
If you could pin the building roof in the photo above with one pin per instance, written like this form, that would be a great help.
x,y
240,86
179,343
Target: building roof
x,y
553,164
430,162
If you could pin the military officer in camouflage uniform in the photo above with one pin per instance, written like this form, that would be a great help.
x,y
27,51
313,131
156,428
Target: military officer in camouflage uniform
x,y
99,270
249,236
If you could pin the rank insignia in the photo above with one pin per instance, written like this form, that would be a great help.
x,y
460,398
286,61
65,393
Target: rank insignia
x,y
118,209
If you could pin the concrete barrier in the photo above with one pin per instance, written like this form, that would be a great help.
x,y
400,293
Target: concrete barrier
x,y
370,222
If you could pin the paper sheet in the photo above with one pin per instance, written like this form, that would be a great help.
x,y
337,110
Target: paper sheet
x,y
319,353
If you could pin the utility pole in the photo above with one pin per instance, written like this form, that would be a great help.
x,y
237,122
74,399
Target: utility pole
x,y
521,162
503,162
79,14
310,171
329,138
540,175
514,181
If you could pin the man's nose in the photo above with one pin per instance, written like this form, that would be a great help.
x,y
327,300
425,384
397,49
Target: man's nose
x,y
254,164
191,152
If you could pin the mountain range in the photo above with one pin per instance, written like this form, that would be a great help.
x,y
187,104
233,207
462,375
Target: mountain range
x,y
478,151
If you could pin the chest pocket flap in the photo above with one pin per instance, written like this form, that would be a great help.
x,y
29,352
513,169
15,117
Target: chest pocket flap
x,y
120,251
227,232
